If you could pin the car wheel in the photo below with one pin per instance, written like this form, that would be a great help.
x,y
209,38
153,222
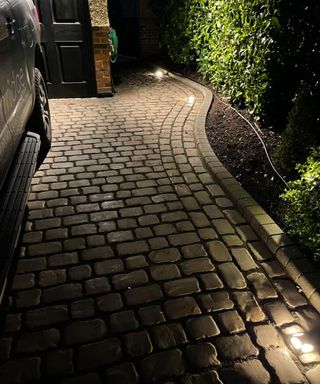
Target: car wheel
x,y
39,121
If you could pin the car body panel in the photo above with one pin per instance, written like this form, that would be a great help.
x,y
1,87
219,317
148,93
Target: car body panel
x,y
19,39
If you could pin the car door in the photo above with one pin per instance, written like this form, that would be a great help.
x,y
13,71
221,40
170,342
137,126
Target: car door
x,y
20,97
6,151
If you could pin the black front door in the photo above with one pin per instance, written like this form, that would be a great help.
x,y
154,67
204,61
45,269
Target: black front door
x,y
66,39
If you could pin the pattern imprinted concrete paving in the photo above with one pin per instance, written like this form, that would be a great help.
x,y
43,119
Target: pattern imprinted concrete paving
x,y
136,267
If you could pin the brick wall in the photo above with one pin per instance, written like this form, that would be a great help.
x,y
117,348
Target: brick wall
x,y
101,59
149,37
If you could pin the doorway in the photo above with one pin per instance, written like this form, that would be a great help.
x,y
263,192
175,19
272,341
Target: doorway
x,y
124,18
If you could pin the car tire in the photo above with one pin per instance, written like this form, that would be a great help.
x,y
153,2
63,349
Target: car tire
x,y
39,121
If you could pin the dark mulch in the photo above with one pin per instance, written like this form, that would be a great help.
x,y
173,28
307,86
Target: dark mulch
x,y
240,150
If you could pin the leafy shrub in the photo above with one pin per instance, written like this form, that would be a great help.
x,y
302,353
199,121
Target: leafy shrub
x,y
303,210
301,134
258,52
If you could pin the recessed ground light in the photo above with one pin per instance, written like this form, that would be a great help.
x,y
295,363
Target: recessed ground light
x,y
306,348
191,100
300,343
159,74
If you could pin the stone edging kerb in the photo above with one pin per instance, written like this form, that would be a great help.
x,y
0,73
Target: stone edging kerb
x,y
298,267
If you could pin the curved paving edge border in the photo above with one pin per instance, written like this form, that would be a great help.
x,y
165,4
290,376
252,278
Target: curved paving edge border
x,y
300,269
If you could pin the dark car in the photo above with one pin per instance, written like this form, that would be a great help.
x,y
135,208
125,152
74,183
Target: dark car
x,y
25,130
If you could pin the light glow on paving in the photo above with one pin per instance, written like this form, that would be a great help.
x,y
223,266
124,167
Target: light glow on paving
x,y
299,344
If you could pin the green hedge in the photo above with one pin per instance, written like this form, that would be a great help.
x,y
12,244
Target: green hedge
x,y
303,205
258,52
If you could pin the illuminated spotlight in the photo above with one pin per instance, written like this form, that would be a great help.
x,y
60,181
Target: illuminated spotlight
x,y
159,74
306,348
301,344
191,100
296,342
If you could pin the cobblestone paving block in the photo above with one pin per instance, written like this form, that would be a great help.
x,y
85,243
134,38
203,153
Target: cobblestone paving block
x,y
151,315
182,307
123,321
136,262
260,251
130,280
79,272
231,322
223,227
218,251
164,272
202,355
167,255
285,369
290,293
210,377
23,281
38,341
138,344
62,292
183,239
74,244
199,265
81,332
53,277
181,287
82,308
107,267
262,286
213,211
63,259
99,354
162,365
202,327
211,281
143,295
97,253
32,265
249,306
193,251
251,371
279,313
218,301
168,335
232,276
97,285
46,316
207,234
244,259
132,248
29,298
235,347
109,303
58,363
273,269
22,370
122,374
268,337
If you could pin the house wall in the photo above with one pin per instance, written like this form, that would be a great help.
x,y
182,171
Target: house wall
x,y
100,28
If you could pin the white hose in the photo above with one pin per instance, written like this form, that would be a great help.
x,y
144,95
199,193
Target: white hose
x,y
255,129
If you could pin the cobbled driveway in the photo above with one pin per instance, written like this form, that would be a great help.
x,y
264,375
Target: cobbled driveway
x,y
135,265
